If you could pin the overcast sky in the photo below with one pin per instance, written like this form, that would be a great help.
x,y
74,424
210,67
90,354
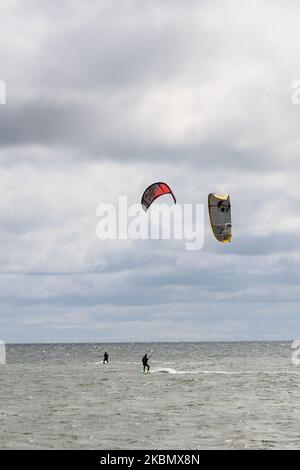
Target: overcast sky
x,y
106,97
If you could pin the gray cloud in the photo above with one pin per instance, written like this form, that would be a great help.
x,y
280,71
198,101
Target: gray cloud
x,y
104,98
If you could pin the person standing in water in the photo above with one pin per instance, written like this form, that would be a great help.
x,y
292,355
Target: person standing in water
x,y
145,363
105,358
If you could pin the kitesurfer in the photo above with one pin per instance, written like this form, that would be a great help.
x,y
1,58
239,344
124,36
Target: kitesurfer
x,y
105,358
145,363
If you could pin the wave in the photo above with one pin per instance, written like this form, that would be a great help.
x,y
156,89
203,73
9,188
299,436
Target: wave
x,y
115,362
168,370
171,371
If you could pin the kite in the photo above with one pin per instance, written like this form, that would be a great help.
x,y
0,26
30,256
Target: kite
x,y
219,208
154,191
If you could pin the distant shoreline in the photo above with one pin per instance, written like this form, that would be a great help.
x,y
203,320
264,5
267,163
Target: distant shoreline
x,y
154,342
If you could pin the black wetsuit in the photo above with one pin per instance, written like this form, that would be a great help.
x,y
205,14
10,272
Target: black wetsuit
x,y
145,362
105,358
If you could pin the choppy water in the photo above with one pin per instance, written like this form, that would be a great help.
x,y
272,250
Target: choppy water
x,y
198,396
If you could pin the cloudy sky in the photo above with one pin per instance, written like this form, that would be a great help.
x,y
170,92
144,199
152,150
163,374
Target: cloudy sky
x,y
105,97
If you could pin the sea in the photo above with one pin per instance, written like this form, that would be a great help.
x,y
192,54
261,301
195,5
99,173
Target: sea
x,y
238,395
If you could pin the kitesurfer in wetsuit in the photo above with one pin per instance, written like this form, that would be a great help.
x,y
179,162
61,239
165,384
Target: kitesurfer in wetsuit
x,y
105,358
145,363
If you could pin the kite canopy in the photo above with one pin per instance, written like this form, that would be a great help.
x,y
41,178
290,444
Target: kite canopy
x,y
219,208
154,191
